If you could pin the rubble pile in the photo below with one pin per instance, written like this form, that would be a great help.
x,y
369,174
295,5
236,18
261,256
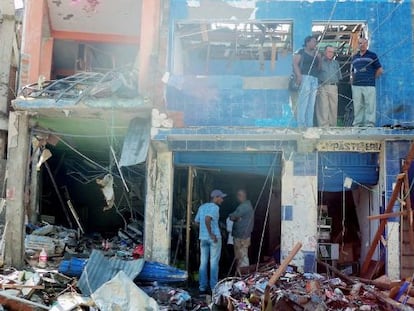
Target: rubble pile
x,y
67,272
297,291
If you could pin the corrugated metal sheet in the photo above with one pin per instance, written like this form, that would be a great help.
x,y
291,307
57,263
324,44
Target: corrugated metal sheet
x,y
246,162
333,167
136,143
100,269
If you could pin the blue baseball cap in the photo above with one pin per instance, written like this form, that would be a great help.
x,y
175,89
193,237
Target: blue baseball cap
x,y
217,193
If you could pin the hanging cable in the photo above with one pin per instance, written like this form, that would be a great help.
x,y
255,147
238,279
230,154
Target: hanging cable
x,y
269,172
265,220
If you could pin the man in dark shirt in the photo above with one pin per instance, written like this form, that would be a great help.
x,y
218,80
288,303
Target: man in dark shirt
x,y
306,65
366,68
243,218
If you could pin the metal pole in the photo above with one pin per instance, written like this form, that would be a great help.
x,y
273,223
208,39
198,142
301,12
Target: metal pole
x,y
189,212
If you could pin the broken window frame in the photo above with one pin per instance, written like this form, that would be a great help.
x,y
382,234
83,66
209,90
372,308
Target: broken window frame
x,y
240,41
343,35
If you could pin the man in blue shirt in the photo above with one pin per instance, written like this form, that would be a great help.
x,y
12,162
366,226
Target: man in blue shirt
x,y
210,240
366,68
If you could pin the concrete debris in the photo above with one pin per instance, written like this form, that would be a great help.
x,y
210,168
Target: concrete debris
x,y
297,291
96,273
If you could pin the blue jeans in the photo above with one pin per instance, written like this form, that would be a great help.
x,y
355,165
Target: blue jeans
x,y
306,101
212,251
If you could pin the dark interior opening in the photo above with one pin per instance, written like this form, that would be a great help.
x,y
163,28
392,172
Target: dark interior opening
x,y
338,224
75,178
258,189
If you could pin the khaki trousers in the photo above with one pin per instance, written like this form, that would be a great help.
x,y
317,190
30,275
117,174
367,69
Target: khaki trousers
x,y
364,98
241,252
327,106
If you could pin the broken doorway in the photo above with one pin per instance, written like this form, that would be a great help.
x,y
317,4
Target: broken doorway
x,y
347,195
257,173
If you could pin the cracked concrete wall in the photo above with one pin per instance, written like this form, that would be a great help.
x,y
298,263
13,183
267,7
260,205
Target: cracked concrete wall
x,y
216,10
299,212
158,208
7,36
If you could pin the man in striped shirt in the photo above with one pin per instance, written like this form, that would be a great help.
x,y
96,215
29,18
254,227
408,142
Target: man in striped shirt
x,y
366,68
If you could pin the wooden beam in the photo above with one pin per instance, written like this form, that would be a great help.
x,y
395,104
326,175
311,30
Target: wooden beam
x,y
14,303
380,230
407,197
283,266
94,37
386,216
390,206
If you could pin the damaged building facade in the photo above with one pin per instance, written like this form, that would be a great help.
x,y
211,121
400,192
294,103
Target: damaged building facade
x,y
217,73
79,129
227,90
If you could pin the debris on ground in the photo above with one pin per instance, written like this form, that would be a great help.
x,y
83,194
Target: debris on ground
x,y
304,291
69,271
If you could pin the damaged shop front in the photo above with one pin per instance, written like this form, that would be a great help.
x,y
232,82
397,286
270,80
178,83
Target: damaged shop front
x,y
304,186
84,163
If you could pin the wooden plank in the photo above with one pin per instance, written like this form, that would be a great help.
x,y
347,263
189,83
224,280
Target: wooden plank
x,y
13,303
55,186
386,216
380,230
267,304
283,266
407,197
390,205
336,271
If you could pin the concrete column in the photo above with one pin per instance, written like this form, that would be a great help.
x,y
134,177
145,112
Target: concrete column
x,y
148,47
7,36
158,209
32,41
393,250
46,57
299,212
18,151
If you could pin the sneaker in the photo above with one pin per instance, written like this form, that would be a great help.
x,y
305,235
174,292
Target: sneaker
x,y
203,292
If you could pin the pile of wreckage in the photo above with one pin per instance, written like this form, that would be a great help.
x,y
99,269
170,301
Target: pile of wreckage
x,y
284,288
92,273
68,272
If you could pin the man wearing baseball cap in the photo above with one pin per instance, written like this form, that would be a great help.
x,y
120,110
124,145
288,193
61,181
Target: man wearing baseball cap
x,y
210,240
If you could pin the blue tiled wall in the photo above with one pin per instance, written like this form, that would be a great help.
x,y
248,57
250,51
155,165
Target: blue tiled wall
x,y
305,164
395,151
222,100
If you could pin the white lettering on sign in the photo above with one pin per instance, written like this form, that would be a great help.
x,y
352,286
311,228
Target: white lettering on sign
x,y
349,145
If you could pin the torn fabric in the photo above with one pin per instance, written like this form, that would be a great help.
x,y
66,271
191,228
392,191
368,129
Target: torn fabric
x,y
107,188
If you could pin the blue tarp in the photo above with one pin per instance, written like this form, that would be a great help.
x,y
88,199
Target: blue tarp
x,y
101,269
